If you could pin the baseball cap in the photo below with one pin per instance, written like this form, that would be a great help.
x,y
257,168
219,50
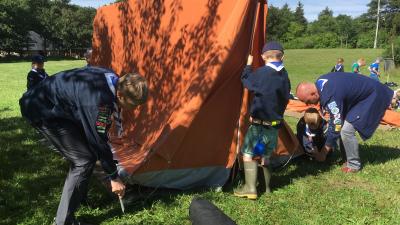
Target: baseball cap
x,y
38,59
272,45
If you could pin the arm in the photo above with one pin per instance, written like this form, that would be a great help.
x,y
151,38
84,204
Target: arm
x,y
96,130
246,74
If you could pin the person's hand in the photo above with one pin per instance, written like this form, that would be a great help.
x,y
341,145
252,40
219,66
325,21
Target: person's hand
x,y
118,187
249,60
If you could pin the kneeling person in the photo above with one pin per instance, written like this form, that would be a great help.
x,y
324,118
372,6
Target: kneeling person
x,y
310,133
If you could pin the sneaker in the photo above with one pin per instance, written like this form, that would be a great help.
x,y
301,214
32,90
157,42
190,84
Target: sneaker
x,y
346,169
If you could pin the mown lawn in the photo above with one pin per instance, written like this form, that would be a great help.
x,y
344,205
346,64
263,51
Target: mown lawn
x,y
304,192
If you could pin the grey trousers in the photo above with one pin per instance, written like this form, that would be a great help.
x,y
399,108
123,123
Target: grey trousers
x,y
70,142
350,143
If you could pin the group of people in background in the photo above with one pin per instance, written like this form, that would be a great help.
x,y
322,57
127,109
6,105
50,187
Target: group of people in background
x,y
356,67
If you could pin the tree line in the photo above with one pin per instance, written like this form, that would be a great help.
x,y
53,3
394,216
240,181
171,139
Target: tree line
x,y
65,26
327,31
68,26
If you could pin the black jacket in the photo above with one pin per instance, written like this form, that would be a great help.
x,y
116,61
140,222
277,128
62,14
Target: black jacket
x,y
271,90
34,77
82,96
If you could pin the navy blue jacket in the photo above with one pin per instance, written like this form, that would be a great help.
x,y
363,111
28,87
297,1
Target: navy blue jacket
x,y
355,98
34,77
271,90
82,96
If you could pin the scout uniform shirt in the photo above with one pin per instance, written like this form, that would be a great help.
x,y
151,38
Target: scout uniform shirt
x,y
86,97
355,98
271,87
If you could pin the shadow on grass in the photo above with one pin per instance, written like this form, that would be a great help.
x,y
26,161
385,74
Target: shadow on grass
x,y
303,166
27,172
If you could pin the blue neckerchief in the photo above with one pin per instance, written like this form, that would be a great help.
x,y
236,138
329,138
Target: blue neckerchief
x,y
114,80
277,64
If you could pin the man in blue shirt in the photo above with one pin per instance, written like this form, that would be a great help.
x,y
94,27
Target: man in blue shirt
x,y
354,103
374,69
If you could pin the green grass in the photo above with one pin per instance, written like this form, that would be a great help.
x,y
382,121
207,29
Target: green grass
x,y
304,192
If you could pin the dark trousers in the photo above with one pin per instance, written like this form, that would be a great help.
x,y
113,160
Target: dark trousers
x,y
70,140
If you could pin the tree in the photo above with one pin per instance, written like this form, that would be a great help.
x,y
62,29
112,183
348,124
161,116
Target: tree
x,y
299,16
278,22
14,25
346,30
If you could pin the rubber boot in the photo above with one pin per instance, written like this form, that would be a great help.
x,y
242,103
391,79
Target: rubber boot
x,y
267,178
248,190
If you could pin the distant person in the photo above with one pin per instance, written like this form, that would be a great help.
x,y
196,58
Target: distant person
x,y
73,109
339,67
271,87
355,103
37,73
374,69
88,57
356,68
310,133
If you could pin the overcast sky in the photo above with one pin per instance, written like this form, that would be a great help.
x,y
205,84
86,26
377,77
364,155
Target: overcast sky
x,y
312,8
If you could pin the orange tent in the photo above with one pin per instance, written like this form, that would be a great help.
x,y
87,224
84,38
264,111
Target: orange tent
x,y
192,53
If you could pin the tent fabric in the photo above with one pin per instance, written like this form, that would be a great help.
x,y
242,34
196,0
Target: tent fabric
x,y
391,117
192,53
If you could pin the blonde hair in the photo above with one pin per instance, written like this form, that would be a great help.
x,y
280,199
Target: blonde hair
x,y
273,54
361,61
134,87
340,60
312,117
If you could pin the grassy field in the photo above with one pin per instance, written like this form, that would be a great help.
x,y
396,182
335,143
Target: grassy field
x,y
304,192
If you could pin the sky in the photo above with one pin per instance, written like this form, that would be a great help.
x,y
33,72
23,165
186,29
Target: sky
x,y
312,8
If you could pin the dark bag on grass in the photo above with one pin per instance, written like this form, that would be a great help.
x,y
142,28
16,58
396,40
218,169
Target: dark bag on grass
x,y
203,212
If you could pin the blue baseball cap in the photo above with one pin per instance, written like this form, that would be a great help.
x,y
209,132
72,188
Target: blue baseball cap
x,y
272,45
38,59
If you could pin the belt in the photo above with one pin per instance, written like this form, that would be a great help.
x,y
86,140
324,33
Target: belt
x,y
264,122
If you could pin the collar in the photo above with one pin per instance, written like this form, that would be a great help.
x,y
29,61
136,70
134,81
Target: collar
x,y
278,66
112,81
321,83
309,131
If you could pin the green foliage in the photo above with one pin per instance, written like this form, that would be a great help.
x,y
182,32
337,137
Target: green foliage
x,y
396,51
329,31
66,26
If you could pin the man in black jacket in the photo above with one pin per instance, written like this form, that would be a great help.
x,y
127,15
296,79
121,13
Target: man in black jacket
x,y
74,109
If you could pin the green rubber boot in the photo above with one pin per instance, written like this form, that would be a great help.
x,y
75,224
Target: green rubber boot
x,y
267,178
248,190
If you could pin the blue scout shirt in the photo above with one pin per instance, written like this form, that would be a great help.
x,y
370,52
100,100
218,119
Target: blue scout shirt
x,y
355,98
271,87
373,74
85,96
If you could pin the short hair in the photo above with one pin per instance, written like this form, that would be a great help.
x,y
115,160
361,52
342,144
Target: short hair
x,y
274,54
134,87
88,54
312,117
340,60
